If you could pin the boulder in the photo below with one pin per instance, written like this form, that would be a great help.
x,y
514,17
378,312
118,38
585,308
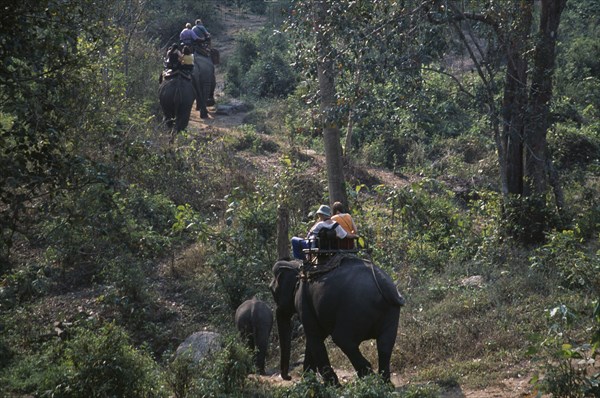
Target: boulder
x,y
199,345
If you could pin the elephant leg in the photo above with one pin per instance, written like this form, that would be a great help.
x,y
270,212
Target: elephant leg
x,y
210,101
262,345
385,346
309,362
321,359
183,119
359,362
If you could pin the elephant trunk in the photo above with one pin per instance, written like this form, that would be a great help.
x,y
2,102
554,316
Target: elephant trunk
x,y
284,327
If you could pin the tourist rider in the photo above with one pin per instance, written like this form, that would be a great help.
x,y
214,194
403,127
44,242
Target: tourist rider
x,y
187,35
325,221
201,31
346,221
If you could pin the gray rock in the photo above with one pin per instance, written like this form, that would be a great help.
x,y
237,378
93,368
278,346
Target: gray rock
x,y
473,281
200,345
234,106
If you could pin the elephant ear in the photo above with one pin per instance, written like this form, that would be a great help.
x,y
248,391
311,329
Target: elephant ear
x,y
386,286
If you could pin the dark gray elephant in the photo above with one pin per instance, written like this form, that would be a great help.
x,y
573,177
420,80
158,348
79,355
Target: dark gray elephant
x,y
176,95
203,77
352,302
254,321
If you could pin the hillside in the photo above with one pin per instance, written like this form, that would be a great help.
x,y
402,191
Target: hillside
x,y
517,380
119,238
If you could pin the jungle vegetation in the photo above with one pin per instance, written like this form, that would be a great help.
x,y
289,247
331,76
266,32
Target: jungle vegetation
x,y
115,246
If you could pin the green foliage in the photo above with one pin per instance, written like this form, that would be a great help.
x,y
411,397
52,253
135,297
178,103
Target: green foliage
x,y
250,140
165,21
565,255
421,391
574,147
310,386
95,227
243,251
571,373
226,374
37,102
371,386
94,363
526,218
423,226
181,375
260,67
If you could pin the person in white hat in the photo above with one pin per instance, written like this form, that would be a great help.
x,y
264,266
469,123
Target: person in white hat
x,y
325,221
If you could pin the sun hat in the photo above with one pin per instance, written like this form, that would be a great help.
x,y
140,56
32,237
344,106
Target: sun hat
x,y
325,210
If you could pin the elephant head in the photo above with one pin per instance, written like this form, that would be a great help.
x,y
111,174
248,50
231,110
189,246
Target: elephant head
x,y
351,301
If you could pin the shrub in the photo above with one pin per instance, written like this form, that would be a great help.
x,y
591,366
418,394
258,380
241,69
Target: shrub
x,y
566,255
94,363
259,66
181,375
371,386
571,373
227,371
310,386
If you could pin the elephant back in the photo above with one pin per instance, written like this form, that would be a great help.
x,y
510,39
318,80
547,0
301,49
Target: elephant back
x,y
204,67
170,87
358,269
356,274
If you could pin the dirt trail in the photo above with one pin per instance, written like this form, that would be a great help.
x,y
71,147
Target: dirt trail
x,y
236,21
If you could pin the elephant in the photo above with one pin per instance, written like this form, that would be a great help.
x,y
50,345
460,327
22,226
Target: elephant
x,y
352,301
203,77
254,321
176,95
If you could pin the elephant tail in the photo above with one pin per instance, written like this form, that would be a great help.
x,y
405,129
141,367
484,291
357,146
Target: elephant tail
x,y
386,286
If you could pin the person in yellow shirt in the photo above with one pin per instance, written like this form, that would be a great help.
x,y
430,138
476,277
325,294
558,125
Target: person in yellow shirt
x,y
187,60
345,220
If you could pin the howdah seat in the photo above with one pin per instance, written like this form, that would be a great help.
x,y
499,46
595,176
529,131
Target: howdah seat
x,y
326,245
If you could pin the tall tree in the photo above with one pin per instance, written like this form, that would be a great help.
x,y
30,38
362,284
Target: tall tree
x,y
331,130
352,40
521,121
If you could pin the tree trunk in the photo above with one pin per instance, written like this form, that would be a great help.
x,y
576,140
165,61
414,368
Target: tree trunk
x,y
514,102
536,157
283,240
331,131
539,99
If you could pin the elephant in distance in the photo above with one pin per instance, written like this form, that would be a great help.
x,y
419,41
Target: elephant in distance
x,y
204,81
176,95
352,302
254,321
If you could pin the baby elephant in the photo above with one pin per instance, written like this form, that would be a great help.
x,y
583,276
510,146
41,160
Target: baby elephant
x,y
254,320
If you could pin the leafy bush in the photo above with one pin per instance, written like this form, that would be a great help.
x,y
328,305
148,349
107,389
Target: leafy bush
x,y
226,373
310,386
260,66
571,373
181,376
571,147
565,255
370,386
244,252
93,363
